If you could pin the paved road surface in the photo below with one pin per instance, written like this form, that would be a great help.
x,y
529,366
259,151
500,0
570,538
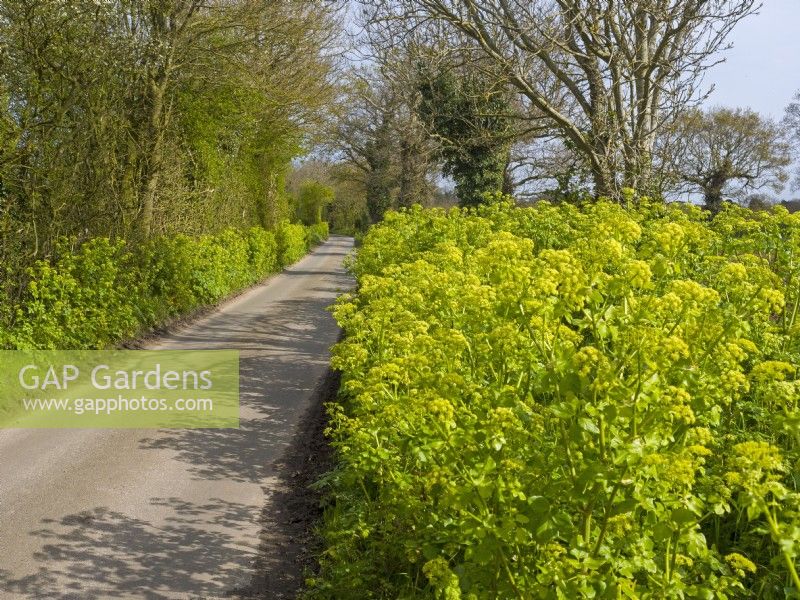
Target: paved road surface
x,y
173,514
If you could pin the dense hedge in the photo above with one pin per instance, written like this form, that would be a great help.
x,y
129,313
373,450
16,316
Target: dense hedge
x,y
292,242
100,293
317,233
553,402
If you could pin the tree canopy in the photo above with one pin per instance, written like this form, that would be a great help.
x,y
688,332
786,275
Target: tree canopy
x,y
726,153
133,118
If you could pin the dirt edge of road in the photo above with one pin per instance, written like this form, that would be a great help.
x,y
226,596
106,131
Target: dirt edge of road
x,y
294,509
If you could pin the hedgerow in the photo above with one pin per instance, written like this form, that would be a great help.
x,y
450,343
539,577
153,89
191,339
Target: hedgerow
x,y
80,300
101,292
317,233
292,242
562,402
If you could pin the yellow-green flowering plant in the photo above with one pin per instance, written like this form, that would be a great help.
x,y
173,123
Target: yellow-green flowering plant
x,y
561,402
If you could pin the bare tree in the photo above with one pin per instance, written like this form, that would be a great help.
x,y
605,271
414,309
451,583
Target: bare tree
x,y
791,122
621,69
725,153
380,136
546,168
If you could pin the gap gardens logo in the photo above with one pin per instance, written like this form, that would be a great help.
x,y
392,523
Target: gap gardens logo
x,y
119,389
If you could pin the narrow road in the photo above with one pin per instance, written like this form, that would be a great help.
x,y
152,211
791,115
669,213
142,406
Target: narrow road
x,y
96,514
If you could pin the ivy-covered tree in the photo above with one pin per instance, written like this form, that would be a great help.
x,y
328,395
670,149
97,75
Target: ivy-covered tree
x,y
609,76
469,115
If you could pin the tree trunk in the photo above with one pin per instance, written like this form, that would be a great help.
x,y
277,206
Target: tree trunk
x,y
713,199
602,184
508,180
713,191
155,154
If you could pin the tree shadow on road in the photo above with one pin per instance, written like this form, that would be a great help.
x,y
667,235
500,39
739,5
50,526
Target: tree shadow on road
x,y
276,382
289,544
101,554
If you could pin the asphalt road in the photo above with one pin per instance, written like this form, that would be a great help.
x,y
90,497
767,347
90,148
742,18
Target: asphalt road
x,y
101,514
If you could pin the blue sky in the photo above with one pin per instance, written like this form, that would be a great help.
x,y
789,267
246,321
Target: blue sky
x,y
762,70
